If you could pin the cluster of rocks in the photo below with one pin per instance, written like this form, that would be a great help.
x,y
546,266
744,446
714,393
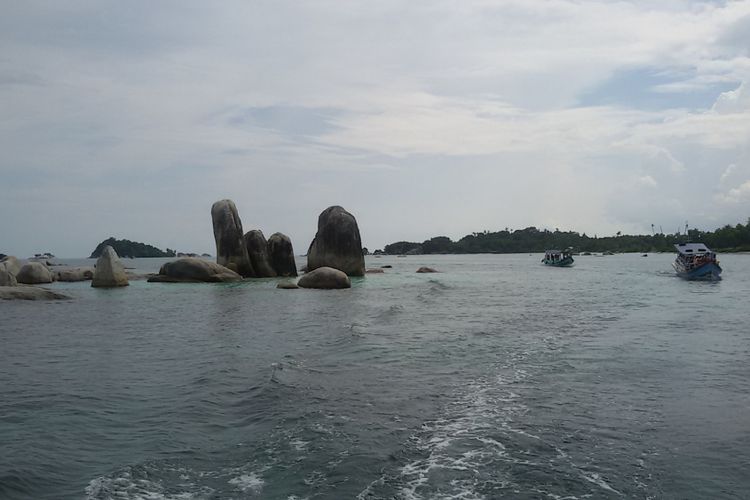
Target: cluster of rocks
x,y
249,254
238,254
108,272
334,255
15,277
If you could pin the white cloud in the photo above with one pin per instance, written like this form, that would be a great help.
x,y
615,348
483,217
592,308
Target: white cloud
x,y
648,181
734,101
737,194
451,100
727,173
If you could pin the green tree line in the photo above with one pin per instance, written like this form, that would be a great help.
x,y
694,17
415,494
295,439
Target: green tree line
x,y
725,239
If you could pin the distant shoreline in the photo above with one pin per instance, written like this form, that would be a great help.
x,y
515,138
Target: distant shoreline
x,y
727,239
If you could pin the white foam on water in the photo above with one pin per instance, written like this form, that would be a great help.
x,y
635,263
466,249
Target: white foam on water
x,y
299,444
163,481
457,447
124,486
369,491
596,479
248,483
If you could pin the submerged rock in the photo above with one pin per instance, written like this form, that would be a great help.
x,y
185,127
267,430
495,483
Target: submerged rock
x,y
34,273
287,285
375,271
281,254
29,293
194,270
337,243
109,271
325,277
257,250
230,240
74,274
427,270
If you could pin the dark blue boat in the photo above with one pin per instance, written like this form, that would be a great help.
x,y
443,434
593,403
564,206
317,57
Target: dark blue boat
x,y
696,261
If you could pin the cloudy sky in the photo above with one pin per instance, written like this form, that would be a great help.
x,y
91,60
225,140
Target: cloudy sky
x,y
422,118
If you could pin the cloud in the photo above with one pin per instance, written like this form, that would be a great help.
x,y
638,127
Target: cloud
x,y
737,194
480,113
648,181
733,101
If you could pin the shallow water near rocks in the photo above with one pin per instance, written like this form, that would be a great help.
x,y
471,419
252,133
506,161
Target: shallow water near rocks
x,y
497,377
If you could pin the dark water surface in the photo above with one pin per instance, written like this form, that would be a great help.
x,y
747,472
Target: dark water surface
x,y
497,378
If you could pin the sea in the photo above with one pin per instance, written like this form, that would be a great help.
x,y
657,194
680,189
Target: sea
x,y
497,377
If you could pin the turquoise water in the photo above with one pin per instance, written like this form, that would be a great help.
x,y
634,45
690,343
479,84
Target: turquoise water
x,y
498,377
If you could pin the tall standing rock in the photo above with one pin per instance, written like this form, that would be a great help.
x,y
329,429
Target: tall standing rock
x,y
281,253
230,242
109,271
337,243
257,250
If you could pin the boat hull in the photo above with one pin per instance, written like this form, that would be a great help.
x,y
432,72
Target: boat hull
x,y
708,271
566,262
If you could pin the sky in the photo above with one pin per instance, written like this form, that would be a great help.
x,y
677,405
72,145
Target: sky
x,y
422,118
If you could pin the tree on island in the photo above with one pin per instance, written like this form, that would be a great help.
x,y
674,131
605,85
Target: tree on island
x,y
127,248
726,239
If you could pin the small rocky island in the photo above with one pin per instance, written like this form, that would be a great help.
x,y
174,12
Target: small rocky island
x,y
130,249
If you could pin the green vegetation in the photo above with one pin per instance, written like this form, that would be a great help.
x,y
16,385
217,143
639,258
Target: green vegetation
x,y
127,248
725,239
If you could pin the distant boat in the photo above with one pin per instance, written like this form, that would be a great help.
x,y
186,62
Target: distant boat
x,y
558,258
696,261
41,256
644,255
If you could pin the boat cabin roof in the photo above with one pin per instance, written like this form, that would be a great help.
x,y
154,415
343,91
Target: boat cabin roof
x,y
692,248
557,252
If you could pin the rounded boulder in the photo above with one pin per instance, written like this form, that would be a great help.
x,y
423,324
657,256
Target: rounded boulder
x,y
325,278
194,270
6,278
12,265
34,273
